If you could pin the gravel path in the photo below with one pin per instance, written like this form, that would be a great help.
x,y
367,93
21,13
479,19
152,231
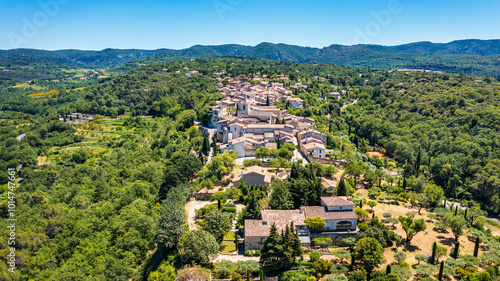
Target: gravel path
x,y
191,208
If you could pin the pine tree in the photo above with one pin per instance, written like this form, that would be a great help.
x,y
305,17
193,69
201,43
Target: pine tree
x,y
476,247
270,252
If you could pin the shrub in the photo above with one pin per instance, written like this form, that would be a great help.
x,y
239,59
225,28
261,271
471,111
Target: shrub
x,y
256,253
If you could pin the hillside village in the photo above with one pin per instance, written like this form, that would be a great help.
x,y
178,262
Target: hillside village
x,y
246,118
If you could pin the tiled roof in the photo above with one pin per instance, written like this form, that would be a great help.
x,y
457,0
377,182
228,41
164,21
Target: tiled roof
x,y
336,201
320,211
313,145
281,218
254,169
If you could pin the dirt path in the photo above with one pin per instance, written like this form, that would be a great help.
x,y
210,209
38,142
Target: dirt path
x,y
191,208
235,258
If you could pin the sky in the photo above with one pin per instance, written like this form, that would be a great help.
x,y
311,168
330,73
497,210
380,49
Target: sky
x,y
153,24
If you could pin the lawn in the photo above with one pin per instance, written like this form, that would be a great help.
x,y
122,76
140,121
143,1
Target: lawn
x,y
228,245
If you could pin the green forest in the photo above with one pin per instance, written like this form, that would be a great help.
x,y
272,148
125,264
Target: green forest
x,y
105,199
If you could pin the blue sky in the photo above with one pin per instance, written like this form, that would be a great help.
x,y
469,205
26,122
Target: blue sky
x,y
152,24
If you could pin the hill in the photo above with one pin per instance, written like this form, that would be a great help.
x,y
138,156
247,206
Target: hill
x,y
475,57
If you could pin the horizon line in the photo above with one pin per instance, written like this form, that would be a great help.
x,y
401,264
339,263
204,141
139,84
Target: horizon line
x,y
217,45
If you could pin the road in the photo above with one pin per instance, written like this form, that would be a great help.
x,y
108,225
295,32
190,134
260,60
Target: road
x,y
461,207
211,133
354,102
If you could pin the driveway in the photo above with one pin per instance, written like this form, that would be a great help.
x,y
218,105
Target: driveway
x,y
191,208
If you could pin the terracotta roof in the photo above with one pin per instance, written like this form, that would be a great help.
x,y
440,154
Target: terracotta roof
x,y
281,218
320,211
313,145
336,201
254,169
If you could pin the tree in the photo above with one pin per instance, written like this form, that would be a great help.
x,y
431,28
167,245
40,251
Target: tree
x,y
421,258
434,194
400,257
281,198
270,252
234,193
321,266
342,189
342,255
456,250
315,224
205,148
262,152
476,212
440,252
418,200
387,216
476,247
361,214
456,224
412,227
434,249
199,246
355,170
218,224
252,210
372,204
171,222
369,253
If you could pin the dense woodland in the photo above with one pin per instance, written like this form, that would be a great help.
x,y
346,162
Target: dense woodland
x,y
99,199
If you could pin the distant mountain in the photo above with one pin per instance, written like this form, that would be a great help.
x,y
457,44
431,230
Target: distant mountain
x,y
476,57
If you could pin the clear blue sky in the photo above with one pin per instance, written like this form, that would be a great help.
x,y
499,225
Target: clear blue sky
x,y
152,24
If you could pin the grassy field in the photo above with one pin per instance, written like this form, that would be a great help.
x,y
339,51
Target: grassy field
x,y
29,86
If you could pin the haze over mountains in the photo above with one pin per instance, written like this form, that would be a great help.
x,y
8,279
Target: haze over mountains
x,y
476,57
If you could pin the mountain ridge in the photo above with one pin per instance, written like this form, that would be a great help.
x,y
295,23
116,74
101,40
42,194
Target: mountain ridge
x,y
471,56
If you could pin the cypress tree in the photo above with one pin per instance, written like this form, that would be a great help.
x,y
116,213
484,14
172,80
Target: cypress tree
x,y
465,214
206,146
248,275
417,163
353,261
261,274
341,190
456,211
455,251
476,247
283,121
388,270
441,268
404,183
361,203
433,257
219,205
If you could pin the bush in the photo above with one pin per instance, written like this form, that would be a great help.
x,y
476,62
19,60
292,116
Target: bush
x,y
247,253
256,253
229,209
315,255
